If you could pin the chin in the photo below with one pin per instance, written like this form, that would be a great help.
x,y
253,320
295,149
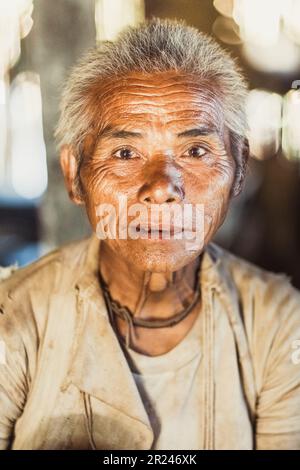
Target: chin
x,y
154,256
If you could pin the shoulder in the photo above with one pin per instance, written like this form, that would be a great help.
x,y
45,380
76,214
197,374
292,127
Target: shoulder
x,y
45,270
269,309
251,281
25,308
268,302
32,285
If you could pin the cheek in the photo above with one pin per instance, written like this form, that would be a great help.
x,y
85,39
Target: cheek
x,y
95,179
95,182
102,185
211,187
104,180
209,183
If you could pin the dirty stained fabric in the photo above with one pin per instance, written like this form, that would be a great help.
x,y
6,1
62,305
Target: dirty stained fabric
x,y
65,382
169,386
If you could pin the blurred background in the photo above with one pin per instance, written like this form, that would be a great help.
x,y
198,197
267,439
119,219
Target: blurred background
x,y
40,40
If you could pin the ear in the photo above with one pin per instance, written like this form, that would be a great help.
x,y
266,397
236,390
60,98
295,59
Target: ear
x,y
69,166
240,153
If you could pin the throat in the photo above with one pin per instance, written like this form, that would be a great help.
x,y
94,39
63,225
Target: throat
x,y
152,313
158,282
148,294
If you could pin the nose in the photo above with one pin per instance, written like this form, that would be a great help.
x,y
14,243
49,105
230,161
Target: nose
x,y
159,193
162,188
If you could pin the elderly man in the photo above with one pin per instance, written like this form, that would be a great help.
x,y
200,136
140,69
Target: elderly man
x,y
143,337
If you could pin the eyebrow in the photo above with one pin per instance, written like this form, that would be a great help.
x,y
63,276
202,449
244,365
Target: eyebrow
x,y
198,131
118,133
122,134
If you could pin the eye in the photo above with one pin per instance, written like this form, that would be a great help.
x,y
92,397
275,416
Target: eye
x,y
125,153
196,151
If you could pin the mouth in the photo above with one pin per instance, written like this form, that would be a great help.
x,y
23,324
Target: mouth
x,y
158,232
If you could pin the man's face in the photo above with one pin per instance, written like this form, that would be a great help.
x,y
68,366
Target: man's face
x,y
161,139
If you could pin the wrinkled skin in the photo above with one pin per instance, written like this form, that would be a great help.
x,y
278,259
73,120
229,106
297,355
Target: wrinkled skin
x,y
157,139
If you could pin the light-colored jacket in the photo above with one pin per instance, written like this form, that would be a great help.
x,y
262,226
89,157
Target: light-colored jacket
x,y
65,382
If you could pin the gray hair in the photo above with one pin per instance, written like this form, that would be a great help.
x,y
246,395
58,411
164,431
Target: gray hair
x,y
154,46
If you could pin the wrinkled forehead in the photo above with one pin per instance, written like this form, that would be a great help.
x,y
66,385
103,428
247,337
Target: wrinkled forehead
x,y
163,100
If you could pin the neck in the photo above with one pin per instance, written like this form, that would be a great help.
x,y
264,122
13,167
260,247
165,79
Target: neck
x,y
148,294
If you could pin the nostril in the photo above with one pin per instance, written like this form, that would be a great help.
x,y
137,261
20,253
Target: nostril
x,y
147,199
171,199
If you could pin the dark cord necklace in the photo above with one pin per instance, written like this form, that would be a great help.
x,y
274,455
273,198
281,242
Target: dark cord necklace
x,y
114,308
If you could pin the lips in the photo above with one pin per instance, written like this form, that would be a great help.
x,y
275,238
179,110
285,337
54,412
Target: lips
x,y
159,229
